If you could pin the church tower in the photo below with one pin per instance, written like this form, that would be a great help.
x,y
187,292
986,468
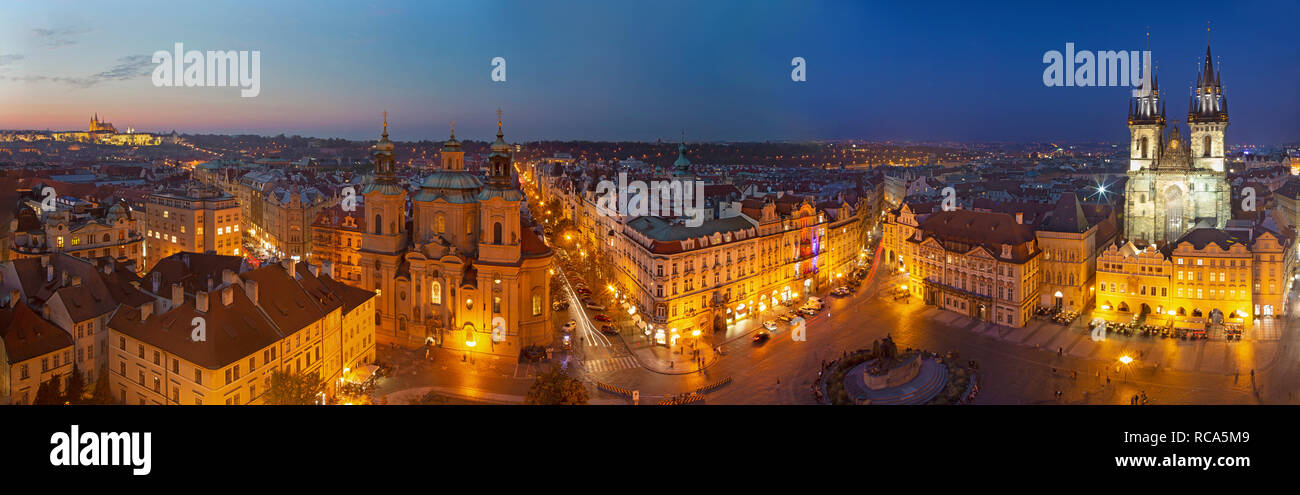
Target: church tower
x,y
1146,124
1207,118
383,242
1176,181
499,206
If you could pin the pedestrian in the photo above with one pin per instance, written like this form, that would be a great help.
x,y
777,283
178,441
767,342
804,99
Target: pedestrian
x,y
1107,379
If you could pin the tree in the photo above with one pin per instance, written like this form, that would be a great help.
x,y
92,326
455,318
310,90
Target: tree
x,y
553,387
102,393
47,394
292,389
75,388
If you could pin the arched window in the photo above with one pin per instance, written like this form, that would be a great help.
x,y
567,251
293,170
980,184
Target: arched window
x,y
496,233
440,224
106,238
379,224
469,226
435,293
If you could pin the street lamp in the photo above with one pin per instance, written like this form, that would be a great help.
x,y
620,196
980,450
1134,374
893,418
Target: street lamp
x,y
1125,360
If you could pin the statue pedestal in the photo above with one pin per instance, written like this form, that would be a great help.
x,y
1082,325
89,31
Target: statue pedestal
x,y
896,376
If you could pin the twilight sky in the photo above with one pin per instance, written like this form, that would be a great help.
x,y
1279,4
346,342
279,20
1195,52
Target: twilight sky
x,y
614,70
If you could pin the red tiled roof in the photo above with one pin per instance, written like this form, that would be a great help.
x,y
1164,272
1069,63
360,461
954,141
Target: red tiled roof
x,y
26,335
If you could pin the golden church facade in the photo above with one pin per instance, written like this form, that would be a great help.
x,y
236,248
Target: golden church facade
x,y
466,273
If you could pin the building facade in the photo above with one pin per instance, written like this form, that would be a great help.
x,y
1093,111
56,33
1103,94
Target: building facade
x,y
199,220
465,273
1176,181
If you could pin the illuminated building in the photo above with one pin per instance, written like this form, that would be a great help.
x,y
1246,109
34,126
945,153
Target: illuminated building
x,y
1175,182
33,350
284,316
465,273
199,220
84,230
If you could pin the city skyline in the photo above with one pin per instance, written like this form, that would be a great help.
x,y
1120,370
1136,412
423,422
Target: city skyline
x,y
718,71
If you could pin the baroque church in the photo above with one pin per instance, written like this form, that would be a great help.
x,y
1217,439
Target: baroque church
x,y
1176,180
462,270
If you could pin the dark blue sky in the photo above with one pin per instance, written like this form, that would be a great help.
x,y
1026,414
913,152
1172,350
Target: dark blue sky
x,y
646,70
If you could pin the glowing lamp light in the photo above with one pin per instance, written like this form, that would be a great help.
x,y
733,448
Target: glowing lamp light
x,y
695,333
1173,313
1125,359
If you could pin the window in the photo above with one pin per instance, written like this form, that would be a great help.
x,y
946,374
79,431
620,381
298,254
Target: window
x,y
537,305
198,376
496,304
435,292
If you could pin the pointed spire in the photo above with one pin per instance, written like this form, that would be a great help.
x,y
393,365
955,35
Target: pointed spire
x,y
499,133
385,135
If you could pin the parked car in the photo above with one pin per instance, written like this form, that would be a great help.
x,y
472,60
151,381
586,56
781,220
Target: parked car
x,y
560,305
761,337
814,300
570,326
770,325
593,306
807,311
786,317
609,329
602,317
840,291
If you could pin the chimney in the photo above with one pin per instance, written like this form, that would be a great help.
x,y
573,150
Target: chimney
x,y
250,290
227,276
314,269
146,310
228,295
45,311
63,279
1020,218
210,283
108,268
291,267
49,273
328,268
201,301
157,282
45,260
76,280
178,295
13,298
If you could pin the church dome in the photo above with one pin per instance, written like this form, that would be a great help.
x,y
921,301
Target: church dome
x,y
452,180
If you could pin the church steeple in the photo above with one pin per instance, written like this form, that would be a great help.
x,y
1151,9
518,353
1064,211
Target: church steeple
x,y
499,159
385,160
1207,102
681,166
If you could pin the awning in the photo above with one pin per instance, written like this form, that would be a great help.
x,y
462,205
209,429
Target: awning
x,y
1112,317
362,374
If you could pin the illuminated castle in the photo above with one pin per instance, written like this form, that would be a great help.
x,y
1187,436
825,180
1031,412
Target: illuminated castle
x,y
97,126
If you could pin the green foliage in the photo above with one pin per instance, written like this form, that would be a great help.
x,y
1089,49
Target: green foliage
x,y
553,387
48,394
294,389
76,387
102,393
